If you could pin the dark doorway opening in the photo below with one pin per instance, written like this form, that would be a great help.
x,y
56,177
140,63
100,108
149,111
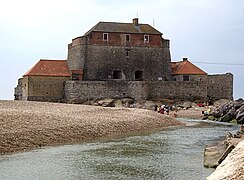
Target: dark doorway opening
x,y
139,75
117,74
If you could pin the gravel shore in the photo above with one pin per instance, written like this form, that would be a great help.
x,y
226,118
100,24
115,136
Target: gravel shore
x,y
28,125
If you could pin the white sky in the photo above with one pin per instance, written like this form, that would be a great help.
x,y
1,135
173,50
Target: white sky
x,y
202,30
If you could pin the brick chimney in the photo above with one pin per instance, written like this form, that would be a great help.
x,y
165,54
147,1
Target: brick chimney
x,y
185,59
135,21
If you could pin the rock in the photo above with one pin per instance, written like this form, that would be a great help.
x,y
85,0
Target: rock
x,y
240,113
127,100
225,118
225,154
212,154
232,166
212,118
106,102
118,103
241,121
149,105
185,105
221,102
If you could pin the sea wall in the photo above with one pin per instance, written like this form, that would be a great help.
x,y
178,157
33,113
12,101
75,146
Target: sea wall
x,y
220,86
81,91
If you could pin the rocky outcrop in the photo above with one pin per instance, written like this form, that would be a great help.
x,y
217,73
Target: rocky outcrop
x,y
228,111
232,166
216,153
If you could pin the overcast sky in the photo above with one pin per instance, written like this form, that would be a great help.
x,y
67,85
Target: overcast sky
x,y
203,30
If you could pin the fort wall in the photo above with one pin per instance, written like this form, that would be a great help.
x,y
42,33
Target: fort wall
x,y
220,86
43,88
104,60
81,91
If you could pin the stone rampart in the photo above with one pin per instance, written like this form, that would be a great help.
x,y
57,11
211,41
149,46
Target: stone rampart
x,y
81,91
220,86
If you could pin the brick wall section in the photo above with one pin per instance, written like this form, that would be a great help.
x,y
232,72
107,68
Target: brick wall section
x,y
220,86
43,88
118,39
81,91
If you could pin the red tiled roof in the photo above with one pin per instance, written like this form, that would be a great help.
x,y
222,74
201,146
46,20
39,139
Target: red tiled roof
x,y
186,67
49,68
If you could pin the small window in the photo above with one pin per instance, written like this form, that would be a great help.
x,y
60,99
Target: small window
x,y
127,53
146,38
127,38
105,36
186,78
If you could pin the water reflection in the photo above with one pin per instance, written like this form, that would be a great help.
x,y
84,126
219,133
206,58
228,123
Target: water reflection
x,y
175,153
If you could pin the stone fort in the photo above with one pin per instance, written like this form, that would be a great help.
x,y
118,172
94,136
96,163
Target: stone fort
x,y
118,60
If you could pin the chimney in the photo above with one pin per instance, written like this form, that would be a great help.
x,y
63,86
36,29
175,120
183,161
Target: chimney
x,y
135,21
185,59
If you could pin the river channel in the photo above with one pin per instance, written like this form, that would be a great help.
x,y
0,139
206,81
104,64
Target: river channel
x,y
175,153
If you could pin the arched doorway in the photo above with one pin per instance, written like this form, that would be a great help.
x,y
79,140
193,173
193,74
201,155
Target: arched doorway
x,y
117,74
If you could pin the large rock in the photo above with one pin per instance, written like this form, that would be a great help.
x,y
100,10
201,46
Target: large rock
x,y
212,154
225,118
149,105
118,103
106,102
221,102
232,166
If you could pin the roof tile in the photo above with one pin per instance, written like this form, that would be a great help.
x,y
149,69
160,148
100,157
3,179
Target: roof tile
x,y
49,68
186,67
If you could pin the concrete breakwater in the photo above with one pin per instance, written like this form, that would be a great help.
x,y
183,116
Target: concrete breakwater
x,y
28,125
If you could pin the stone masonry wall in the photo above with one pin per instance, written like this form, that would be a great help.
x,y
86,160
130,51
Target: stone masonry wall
x,y
18,90
81,91
220,86
99,62
43,88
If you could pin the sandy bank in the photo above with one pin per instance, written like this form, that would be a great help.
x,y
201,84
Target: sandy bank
x,y
191,113
28,125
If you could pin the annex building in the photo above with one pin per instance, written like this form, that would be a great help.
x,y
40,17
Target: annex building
x,y
117,60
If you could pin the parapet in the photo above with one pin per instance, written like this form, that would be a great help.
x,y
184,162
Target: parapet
x,y
78,41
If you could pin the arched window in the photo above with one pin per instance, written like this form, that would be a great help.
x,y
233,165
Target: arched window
x,y
117,74
138,75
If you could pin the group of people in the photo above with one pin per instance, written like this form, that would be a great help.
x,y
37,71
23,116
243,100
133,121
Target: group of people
x,y
162,109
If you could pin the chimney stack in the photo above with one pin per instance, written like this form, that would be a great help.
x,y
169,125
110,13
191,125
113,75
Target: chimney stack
x,y
185,59
135,21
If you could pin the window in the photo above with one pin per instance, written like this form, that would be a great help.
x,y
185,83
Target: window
x,y
127,38
146,38
105,36
186,78
138,75
127,53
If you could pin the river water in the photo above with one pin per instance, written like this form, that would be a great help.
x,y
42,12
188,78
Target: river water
x,y
175,153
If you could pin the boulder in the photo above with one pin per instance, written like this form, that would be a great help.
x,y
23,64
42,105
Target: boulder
x,y
221,102
240,121
212,154
118,103
185,104
225,118
106,102
149,105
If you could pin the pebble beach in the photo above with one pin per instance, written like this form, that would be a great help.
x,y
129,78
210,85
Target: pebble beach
x,y
29,125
